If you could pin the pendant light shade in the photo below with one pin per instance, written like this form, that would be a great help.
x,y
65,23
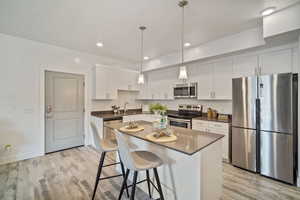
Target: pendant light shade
x,y
182,73
182,69
141,79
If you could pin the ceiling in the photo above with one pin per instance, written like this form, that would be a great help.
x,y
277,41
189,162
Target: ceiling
x,y
80,24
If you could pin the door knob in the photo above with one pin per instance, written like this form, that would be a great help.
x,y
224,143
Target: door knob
x,y
49,109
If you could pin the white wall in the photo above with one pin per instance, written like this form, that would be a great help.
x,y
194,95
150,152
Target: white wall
x,y
240,41
21,62
282,21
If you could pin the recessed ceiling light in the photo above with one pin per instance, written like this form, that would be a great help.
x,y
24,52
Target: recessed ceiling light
x,y
77,60
187,44
146,58
268,11
99,44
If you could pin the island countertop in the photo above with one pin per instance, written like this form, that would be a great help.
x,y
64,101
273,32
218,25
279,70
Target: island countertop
x,y
188,141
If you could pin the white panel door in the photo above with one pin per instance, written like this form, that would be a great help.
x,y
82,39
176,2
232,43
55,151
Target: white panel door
x,y
222,80
245,66
64,111
276,62
205,81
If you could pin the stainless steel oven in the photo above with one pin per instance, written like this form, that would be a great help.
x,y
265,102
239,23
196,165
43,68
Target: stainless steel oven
x,y
185,123
186,90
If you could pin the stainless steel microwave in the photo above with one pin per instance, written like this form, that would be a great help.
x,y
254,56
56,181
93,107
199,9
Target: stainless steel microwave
x,y
186,90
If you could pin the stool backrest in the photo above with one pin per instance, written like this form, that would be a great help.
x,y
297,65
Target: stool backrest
x,y
96,137
124,151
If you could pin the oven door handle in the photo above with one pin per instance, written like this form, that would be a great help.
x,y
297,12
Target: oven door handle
x,y
178,120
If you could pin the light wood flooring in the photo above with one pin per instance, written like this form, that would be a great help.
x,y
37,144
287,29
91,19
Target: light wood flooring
x,y
70,175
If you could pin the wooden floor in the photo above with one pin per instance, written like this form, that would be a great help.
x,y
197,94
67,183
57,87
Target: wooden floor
x,y
70,174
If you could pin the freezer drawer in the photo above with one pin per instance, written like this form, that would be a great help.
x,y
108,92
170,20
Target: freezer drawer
x,y
276,156
244,148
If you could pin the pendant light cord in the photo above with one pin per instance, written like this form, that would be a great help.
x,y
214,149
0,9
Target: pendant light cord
x,y
142,28
182,36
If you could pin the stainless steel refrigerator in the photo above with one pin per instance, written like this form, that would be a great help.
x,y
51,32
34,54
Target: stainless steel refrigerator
x,y
264,125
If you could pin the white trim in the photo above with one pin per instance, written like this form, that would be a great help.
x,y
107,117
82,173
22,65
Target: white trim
x,y
42,99
19,157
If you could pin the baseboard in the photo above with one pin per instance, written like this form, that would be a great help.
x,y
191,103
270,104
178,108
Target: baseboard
x,y
20,156
298,181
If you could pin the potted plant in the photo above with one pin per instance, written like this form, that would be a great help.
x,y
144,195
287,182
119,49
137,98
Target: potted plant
x,y
158,108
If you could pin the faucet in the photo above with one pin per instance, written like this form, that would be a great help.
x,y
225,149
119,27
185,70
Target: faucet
x,y
125,107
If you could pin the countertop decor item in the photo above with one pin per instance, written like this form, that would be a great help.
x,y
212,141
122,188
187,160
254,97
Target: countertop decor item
x,y
161,137
132,130
157,108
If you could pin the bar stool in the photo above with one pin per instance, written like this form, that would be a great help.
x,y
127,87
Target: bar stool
x,y
138,161
105,146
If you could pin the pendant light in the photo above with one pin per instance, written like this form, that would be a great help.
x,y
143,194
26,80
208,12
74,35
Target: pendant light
x,y
141,79
182,69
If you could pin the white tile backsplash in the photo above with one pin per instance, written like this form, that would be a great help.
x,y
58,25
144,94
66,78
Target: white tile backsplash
x,y
123,97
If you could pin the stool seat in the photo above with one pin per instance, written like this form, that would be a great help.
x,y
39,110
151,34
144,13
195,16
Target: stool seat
x,y
108,145
144,160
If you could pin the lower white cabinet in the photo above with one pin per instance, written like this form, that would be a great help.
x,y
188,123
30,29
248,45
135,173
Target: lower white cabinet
x,y
214,127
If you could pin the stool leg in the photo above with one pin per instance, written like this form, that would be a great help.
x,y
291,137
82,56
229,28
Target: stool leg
x,y
123,173
124,184
101,162
135,175
158,184
148,183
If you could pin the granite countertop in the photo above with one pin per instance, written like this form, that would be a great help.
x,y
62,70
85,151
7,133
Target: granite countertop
x,y
205,118
189,141
109,115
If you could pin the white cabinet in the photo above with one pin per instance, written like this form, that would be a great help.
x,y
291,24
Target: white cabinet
x,y
215,81
104,85
245,66
205,81
127,80
222,80
215,127
276,62
107,81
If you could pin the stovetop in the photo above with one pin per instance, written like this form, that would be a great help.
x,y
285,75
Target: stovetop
x,y
185,115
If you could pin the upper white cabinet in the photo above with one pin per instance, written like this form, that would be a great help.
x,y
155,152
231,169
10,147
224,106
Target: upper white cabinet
x,y
104,85
205,81
222,80
158,85
127,80
107,81
276,62
245,66
272,62
214,81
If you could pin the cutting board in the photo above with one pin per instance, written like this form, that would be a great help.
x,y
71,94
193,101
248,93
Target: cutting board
x,y
171,138
131,130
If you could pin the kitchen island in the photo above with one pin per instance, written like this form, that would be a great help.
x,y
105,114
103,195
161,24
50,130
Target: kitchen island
x,y
192,167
